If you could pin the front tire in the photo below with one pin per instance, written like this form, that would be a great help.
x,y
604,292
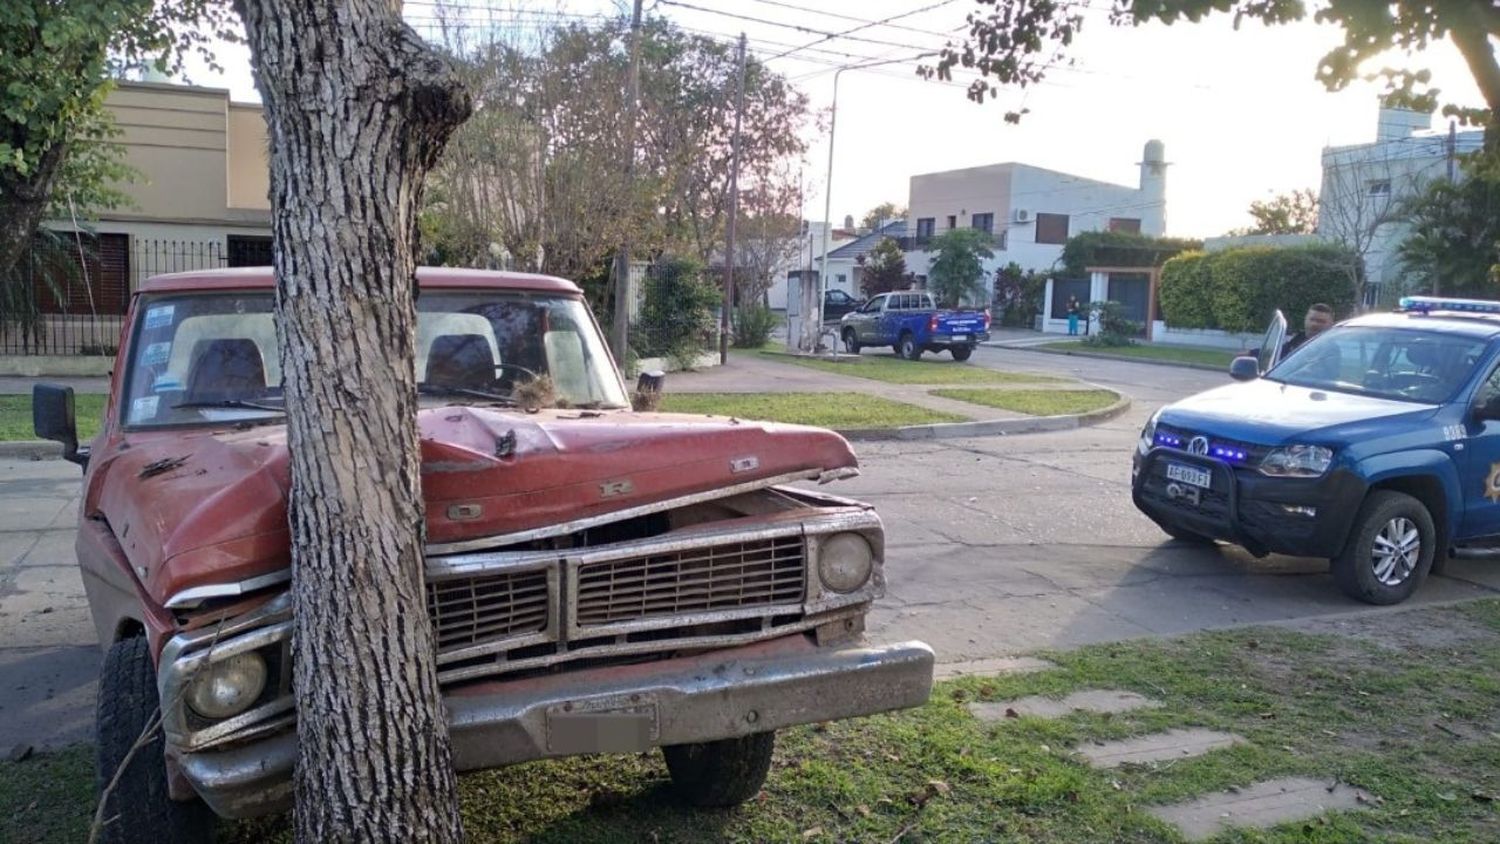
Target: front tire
x,y
961,353
1389,551
851,342
908,347
139,809
720,774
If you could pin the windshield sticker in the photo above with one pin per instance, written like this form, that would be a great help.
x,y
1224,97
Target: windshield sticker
x,y
159,316
156,354
143,408
166,382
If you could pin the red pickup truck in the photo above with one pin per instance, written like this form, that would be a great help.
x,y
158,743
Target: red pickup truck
x,y
598,579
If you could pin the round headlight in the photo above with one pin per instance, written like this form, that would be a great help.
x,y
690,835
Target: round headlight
x,y
845,561
227,688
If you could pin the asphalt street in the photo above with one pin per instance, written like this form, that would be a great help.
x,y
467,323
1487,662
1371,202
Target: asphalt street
x,y
996,546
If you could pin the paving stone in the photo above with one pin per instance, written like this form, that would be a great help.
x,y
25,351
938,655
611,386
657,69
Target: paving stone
x,y
1260,806
1088,700
992,667
1157,747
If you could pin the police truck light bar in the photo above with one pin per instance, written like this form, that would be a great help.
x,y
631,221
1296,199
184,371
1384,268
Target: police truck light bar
x,y
1427,304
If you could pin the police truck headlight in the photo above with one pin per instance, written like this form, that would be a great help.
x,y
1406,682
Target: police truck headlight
x,y
226,688
1297,461
1148,435
845,561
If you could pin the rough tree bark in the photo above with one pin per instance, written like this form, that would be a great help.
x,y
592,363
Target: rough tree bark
x,y
358,109
23,203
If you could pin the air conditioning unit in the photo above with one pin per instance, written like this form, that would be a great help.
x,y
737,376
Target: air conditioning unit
x,y
1021,215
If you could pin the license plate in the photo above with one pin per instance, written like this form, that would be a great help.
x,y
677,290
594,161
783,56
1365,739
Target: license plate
x,y
1189,475
603,726
961,338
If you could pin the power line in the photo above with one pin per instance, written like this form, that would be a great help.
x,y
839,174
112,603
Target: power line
x,y
848,33
836,16
800,28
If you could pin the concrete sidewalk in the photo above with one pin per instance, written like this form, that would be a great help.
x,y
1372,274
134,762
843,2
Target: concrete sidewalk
x,y
752,373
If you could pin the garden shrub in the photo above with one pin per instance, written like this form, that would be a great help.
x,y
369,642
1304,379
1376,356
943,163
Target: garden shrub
x,y
1184,293
677,317
753,325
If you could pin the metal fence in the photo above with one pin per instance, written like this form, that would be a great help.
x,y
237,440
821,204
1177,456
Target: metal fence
x,y
69,295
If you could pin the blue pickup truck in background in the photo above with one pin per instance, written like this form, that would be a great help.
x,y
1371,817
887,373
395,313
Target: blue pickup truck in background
x,y
911,323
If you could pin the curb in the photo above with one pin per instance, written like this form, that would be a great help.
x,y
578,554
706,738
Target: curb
x,y
992,427
30,450
1206,367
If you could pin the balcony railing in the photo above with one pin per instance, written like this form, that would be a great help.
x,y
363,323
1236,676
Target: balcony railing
x,y
923,242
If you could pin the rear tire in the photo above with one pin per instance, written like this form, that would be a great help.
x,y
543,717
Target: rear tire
x,y
961,353
851,343
908,347
1389,551
720,774
140,810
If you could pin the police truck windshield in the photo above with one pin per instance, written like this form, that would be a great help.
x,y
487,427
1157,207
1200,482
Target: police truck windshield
x,y
1388,363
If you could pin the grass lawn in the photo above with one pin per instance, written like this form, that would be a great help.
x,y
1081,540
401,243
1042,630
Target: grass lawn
x,y
15,416
1406,707
1178,354
894,370
1035,402
828,410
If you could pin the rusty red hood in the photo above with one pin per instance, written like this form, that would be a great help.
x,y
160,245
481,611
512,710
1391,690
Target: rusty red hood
x,y
199,508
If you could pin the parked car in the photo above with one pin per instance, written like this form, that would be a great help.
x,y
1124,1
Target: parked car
x,y
911,323
1375,444
836,303
563,545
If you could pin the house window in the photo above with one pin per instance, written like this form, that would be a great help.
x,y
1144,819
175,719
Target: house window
x,y
1380,187
924,227
984,222
86,274
1002,239
1052,228
249,250
1125,224
952,222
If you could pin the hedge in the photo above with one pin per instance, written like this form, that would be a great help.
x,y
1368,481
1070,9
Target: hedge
x,y
1238,289
1119,249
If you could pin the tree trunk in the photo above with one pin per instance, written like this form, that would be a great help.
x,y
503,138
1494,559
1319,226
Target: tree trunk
x,y
23,203
358,109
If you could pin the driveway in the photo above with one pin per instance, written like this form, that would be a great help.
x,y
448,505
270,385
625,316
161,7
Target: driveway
x,y
996,545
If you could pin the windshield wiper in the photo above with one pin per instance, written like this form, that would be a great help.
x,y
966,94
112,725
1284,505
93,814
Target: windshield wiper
x,y
237,404
466,392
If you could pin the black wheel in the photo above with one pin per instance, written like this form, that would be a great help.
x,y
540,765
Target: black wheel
x,y
1389,551
851,343
961,353
720,774
908,347
139,809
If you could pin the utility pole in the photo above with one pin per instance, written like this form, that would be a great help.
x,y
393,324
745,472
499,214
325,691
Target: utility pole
x,y
619,336
1452,146
734,211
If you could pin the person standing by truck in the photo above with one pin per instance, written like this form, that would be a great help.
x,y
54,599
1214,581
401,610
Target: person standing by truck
x,y
1073,310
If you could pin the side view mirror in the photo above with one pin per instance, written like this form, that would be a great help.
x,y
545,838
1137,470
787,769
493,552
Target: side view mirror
x,y
1245,368
53,419
1487,410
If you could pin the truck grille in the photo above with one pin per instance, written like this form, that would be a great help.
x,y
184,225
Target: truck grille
x,y
488,607
739,575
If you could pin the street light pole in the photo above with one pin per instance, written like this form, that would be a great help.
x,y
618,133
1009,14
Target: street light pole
x,y
833,116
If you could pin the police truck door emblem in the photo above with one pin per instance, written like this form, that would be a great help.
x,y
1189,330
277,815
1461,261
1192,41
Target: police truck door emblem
x,y
610,489
1198,445
1492,484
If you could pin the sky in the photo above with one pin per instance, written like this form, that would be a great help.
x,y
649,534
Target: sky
x,y
1240,112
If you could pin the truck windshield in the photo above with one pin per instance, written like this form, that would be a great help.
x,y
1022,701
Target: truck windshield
x,y
1389,363
214,357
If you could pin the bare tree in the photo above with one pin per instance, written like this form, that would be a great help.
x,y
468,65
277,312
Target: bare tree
x,y
359,109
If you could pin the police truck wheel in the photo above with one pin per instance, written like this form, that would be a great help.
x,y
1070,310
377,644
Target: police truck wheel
x,y
961,353
720,774
139,810
908,347
851,344
1389,551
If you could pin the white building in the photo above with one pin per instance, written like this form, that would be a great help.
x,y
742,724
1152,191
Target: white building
x,y
807,260
1031,212
1363,184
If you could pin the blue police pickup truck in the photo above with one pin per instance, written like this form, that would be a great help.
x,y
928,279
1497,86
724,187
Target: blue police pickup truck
x,y
1375,444
911,323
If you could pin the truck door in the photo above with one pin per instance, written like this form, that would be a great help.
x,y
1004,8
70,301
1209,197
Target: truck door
x,y
1479,463
865,318
890,318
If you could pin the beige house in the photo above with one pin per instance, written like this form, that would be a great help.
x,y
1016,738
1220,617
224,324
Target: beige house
x,y
200,201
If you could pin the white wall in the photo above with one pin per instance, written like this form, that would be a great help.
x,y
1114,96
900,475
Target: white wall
x,y
811,244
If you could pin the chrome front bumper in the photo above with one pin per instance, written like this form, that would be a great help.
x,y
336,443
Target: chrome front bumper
x,y
615,709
